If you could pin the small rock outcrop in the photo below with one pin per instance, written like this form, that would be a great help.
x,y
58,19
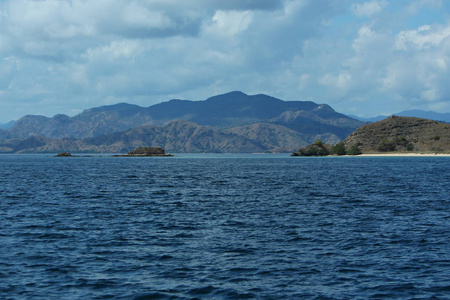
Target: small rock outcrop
x,y
147,151
315,149
64,154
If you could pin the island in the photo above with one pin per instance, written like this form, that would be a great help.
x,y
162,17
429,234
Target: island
x,y
68,154
145,152
393,135
138,152
64,154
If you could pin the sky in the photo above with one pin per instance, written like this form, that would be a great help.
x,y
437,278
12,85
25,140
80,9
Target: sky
x,y
363,58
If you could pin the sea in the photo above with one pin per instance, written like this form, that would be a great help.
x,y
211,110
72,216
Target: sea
x,y
224,226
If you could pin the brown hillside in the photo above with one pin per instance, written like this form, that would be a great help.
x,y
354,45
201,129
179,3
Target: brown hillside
x,y
279,138
402,134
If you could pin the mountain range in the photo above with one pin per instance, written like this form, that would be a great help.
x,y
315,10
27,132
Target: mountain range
x,y
232,122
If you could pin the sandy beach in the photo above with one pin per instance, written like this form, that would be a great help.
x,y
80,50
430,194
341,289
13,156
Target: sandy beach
x,y
406,155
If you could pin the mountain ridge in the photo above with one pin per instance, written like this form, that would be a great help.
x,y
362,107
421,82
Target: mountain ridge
x,y
224,111
175,136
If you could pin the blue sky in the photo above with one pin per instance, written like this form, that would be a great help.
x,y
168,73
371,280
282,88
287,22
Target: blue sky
x,y
362,57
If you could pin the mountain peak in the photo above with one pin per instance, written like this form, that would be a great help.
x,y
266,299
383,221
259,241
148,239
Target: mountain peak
x,y
228,96
324,107
113,107
121,109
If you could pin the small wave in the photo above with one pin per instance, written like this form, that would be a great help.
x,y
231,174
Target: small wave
x,y
165,257
159,296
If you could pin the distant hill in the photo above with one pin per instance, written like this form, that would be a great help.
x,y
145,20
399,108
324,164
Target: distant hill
x,y
280,138
7,125
91,122
174,136
402,134
369,120
440,117
4,134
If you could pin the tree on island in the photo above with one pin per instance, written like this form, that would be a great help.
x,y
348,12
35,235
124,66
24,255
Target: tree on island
x,y
354,150
318,148
338,149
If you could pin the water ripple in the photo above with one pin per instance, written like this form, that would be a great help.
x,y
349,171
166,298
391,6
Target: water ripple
x,y
224,228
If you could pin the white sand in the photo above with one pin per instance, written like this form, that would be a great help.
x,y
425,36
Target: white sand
x,y
407,155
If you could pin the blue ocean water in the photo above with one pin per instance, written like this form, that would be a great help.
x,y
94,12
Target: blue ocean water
x,y
224,227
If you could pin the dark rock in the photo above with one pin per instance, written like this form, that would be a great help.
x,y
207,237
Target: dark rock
x,y
64,154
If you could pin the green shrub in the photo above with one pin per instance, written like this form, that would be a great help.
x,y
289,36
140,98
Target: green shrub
x,y
315,149
338,149
386,145
354,150
318,143
401,141
437,149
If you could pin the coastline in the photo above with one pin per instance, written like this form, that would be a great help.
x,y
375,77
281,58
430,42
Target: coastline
x,y
405,155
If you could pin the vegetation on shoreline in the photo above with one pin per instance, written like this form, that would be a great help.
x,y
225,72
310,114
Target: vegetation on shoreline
x,y
402,135
146,151
318,148
391,135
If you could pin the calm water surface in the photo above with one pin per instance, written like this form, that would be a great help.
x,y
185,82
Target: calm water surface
x,y
224,227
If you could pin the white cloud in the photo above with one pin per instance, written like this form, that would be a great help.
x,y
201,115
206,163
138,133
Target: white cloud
x,y
89,53
416,6
406,70
342,81
8,69
229,23
425,37
421,71
368,9
304,81
369,40
141,17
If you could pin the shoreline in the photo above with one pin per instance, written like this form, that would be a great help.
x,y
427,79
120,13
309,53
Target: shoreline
x,y
405,155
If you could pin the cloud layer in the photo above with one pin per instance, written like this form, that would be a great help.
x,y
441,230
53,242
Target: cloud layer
x,y
361,57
